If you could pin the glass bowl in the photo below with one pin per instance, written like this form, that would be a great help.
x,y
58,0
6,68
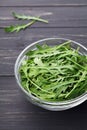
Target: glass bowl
x,y
53,106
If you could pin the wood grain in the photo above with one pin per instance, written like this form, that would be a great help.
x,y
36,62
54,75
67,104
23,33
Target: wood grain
x,y
42,2
57,17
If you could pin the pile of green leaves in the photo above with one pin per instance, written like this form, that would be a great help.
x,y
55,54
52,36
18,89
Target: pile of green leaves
x,y
54,73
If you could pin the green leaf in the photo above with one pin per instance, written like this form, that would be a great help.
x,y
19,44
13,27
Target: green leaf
x,y
17,28
24,17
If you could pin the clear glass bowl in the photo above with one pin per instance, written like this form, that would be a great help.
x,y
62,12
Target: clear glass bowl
x,y
54,106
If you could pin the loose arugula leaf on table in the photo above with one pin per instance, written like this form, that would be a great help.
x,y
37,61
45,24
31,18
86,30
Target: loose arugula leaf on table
x,y
25,17
17,28
54,73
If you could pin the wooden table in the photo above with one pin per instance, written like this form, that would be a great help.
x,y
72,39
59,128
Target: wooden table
x,y
67,19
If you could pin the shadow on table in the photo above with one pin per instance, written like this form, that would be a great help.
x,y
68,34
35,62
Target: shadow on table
x,y
72,119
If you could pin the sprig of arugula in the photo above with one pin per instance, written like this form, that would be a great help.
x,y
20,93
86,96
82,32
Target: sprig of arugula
x,y
24,17
17,28
54,73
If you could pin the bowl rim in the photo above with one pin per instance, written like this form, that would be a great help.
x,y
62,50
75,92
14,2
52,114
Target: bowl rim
x,y
67,102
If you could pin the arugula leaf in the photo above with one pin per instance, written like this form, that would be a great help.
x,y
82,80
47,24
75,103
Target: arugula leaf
x,y
24,17
54,73
17,28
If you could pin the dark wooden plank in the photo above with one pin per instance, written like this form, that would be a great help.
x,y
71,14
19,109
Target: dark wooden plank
x,y
57,17
18,41
17,113
42,2
12,44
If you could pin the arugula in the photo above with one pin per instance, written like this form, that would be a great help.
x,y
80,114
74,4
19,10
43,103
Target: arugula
x,y
17,28
24,17
54,73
